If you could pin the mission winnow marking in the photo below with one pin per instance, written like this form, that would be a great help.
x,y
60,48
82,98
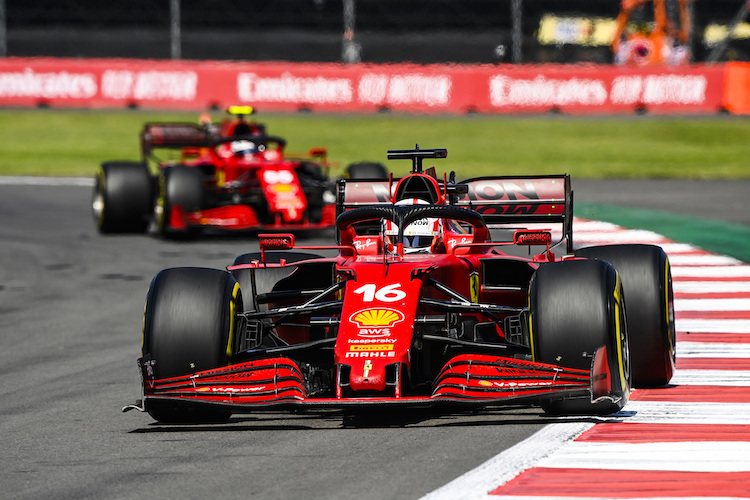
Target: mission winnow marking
x,y
688,440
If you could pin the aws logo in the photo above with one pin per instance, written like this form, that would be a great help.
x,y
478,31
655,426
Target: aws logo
x,y
376,317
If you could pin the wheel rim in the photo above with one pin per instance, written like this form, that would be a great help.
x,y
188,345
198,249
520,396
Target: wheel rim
x,y
97,203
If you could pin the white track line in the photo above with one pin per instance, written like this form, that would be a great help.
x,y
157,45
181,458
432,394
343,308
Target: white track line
x,y
46,181
554,446
503,467
713,326
711,350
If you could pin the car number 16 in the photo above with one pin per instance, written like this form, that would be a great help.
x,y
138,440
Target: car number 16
x,y
388,293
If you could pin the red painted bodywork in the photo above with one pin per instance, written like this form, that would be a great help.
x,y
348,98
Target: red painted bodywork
x,y
269,177
387,295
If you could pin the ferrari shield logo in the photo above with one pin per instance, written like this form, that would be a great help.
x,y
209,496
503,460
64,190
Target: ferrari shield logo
x,y
474,287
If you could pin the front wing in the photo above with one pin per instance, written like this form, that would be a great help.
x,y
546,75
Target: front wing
x,y
467,380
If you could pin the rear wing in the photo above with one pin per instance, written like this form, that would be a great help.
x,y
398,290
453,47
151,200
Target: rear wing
x,y
501,200
190,135
173,136
519,199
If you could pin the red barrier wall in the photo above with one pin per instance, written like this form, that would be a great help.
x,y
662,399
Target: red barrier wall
x,y
276,86
738,88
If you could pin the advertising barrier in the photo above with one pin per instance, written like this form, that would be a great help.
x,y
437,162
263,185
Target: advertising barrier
x,y
279,86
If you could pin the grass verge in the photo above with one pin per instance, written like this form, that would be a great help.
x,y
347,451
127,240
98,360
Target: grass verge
x,y
73,142
711,235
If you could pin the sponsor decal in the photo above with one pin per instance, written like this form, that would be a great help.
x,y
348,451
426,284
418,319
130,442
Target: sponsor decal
x,y
386,331
232,390
489,190
487,383
374,317
278,176
659,89
280,242
459,241
371,347
282,188
405,89
252,87
543,91
367,368
362,245
59,84
150,85
376,354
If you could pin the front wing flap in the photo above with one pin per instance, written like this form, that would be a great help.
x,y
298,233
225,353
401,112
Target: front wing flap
x,y
467,380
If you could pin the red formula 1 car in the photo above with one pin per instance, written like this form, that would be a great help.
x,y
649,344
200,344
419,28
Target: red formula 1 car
x,y
421,307
228,176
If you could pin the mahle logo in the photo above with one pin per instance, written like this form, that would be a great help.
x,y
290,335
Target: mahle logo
x,y
376,317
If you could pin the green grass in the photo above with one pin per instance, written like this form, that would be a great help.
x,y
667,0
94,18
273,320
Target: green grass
x,y
712,235
73,142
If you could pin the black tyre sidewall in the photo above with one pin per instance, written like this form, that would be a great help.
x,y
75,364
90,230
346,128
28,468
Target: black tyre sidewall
x,y
647,285
575,308
189,325
181,186
189,320
125,192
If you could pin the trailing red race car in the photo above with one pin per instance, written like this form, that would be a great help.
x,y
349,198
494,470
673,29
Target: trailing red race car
x,y
421,307
230,176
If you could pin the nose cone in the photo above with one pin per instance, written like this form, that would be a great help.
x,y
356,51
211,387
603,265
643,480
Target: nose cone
x,y
367,375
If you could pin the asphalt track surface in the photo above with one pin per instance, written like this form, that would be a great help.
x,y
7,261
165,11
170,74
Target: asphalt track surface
x,y
71,304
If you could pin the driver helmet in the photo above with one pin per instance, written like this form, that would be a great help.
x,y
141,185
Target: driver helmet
x,y
243,148
420,235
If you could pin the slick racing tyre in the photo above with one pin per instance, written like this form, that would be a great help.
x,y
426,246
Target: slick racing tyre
x,y
647,285
575,308
183,188
254,282
366,170
190,324
123,197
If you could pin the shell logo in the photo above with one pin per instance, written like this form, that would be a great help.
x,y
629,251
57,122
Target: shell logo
x,y
281,188
376,317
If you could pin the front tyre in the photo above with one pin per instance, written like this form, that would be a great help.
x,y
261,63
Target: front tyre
x,y
122,201
190,323
647,284
576,307
260,280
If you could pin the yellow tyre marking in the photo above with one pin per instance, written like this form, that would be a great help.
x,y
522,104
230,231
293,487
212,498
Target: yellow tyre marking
x,y
232,319
618,334
531,328
666,305
143,330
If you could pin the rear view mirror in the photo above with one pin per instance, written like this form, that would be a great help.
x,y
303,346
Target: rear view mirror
x,y
532,237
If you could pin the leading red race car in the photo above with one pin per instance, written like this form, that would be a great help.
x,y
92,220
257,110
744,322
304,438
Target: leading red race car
x,y
421,307
231,175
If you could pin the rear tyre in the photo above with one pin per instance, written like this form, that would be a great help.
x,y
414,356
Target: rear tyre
x,y
576,308
181,188
647,284
254,282
123,197
366,170
189,326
